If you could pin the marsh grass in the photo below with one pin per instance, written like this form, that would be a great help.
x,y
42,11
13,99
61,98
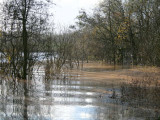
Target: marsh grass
x,y
143,92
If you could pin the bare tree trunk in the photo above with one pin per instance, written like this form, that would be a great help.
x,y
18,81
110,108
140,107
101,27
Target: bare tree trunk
x,y
111,36
25,46
25,50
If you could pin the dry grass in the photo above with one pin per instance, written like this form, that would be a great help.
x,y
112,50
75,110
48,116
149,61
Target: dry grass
x,y
143,90
106,73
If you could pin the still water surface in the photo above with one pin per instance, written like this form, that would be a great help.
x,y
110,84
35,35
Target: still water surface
x,y
66,97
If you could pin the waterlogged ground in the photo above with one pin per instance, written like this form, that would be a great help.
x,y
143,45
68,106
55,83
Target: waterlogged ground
x,y
76,95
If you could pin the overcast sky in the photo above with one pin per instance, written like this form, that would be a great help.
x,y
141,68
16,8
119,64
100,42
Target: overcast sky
x,y
66,11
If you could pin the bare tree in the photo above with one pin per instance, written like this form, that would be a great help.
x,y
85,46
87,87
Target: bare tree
x,y
27,19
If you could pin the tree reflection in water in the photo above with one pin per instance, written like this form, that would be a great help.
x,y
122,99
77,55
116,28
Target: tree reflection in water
x,y
66,98
25,114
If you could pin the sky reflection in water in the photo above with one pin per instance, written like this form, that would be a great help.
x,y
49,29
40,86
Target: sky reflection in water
x,y
61,99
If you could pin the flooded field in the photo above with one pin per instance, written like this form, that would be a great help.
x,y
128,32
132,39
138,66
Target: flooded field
x,y
89,94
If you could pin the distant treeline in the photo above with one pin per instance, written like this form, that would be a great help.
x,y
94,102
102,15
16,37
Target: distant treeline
x,y
117,32
123,32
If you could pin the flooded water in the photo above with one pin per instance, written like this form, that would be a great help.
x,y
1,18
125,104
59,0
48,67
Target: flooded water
x,y
66,97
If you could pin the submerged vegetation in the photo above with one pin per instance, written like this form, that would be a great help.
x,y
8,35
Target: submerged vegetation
x,y
143,92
